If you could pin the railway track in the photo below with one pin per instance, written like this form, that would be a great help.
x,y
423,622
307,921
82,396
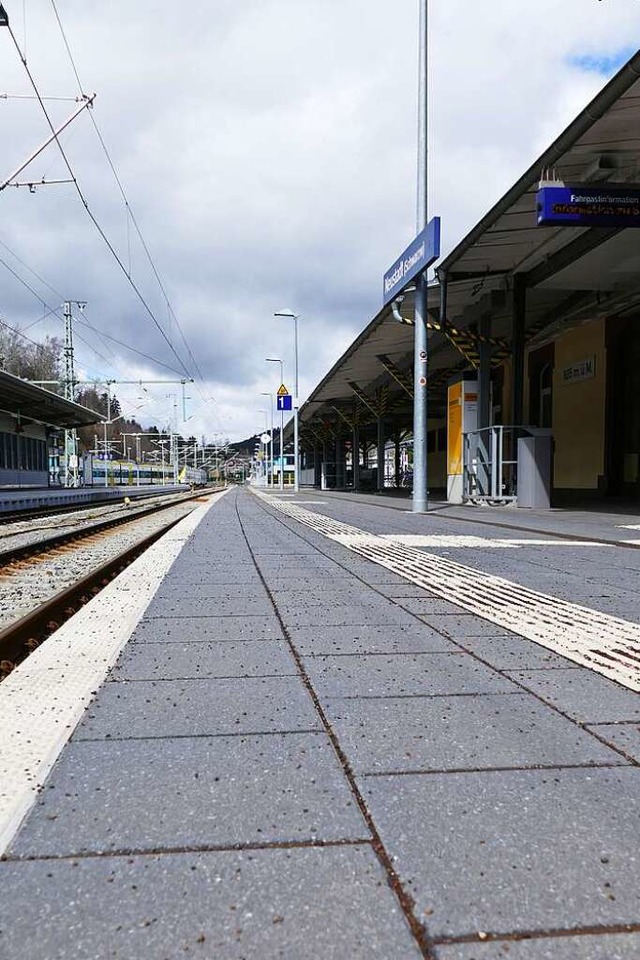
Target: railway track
x,y
24,534
65,513
43,583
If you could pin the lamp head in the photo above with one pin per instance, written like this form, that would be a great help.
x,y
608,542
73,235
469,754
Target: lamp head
x,y
286,313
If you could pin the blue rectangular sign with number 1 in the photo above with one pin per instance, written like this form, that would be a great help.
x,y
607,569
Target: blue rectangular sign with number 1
x,y
284,402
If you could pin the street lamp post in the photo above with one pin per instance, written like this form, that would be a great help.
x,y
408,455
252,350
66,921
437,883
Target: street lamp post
x,y
421,342
281,484
270,395
296,402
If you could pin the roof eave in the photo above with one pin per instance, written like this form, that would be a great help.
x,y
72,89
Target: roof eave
x,y
603,101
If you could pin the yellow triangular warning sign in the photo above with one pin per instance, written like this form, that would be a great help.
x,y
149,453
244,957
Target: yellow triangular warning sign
x,y
282,391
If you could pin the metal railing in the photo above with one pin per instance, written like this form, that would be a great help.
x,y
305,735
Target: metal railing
x,y
490,465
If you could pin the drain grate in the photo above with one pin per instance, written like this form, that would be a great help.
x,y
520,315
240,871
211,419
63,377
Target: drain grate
x,y
606,644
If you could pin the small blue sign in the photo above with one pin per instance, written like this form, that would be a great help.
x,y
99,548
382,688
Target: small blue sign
x,y
590,206
284,402
419,255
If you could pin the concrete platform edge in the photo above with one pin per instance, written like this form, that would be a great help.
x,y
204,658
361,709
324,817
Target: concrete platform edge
x,y
43,699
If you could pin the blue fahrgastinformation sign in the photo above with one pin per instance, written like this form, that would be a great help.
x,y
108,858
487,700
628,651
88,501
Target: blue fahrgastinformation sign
x,y
590,206
419,255
284,401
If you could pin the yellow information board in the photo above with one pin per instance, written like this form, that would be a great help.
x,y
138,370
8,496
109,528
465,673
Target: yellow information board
x,y
454,430
462,418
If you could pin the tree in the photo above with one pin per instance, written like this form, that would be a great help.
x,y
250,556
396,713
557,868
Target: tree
x,y
27,359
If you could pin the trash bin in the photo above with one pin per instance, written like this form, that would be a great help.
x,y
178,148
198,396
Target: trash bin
x,y
534,471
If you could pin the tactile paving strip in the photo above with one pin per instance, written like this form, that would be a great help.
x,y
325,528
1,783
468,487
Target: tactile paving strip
x,y
606,644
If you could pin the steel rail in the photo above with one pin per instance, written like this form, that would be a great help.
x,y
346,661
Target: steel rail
x,y
21,637
34,513
30,550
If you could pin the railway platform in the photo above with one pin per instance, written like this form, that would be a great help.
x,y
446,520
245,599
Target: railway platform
x,y
311,726
16,499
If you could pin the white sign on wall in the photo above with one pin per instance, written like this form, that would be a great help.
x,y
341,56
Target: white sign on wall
x,y
580,370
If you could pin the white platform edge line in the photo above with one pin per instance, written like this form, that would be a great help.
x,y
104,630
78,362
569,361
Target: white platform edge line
x,y
43,699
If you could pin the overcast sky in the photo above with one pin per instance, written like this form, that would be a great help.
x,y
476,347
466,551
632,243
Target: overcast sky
x,y
267,149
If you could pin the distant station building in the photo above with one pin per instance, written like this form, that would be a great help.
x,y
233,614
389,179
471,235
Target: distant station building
x,y
31,421
535,334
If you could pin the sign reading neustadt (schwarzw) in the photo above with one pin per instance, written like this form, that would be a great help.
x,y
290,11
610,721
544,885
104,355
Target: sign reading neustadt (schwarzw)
x,y
419,255
590,206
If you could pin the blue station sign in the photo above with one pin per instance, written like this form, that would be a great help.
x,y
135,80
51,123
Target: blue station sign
x,y
419,255
590,206
284,401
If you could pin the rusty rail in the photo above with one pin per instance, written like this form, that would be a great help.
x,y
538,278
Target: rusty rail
x,y
18,639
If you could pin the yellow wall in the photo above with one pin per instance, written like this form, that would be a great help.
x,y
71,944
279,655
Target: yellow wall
x,y
579,409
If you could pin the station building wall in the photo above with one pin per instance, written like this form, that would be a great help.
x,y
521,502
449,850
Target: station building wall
x,y
23,454
579,387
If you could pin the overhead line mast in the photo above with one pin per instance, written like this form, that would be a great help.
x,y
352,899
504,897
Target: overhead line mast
x,y
71,460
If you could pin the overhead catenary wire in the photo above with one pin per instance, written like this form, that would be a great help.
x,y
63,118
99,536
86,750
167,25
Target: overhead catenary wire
x,y
128,346
33,272
85,320
86,323
51,311
24,283
129,211
19,333
55,311
90,213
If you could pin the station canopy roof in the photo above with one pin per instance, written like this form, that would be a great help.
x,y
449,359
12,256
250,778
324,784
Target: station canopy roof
x,y
31,402
571,274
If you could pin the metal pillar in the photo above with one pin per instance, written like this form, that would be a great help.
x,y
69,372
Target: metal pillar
x,y
381,446
271,475
518,321
323,466
355,458
420,350
71,474
484,379
174,440
296,403
106,437
444,290
281,483
339,462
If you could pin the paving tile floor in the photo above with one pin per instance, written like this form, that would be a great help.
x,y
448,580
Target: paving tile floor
x,y
301,754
